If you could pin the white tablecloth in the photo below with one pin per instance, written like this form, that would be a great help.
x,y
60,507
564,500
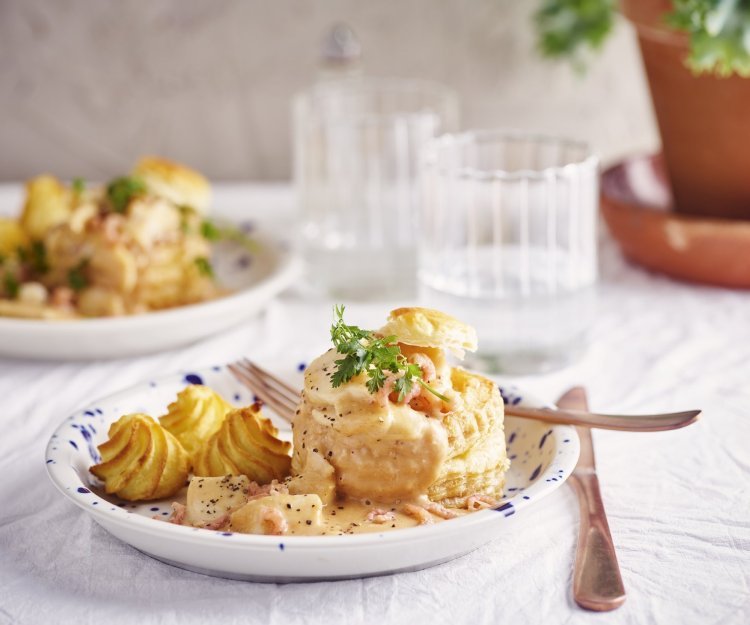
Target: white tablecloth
x,y
678,502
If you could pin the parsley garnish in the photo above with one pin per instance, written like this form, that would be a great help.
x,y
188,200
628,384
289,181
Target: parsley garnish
x,y
121,190
213,232
373,355
186,212
77,276
78,185
35,256
210,231
11,285
38,258
204,266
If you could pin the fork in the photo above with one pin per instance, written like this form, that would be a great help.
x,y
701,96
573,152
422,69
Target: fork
x,y
283,399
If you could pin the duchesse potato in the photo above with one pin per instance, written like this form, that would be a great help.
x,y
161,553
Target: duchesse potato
x,y
246,444
195,416
141,460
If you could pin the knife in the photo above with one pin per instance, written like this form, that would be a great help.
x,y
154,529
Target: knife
x,y
597,583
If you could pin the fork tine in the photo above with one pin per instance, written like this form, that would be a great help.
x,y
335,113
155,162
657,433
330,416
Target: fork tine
x,y
273,385
260,383
271,398
269,377
277,394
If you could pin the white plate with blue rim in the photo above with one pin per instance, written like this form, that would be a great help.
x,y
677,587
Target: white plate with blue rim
x,y
542,458
253,275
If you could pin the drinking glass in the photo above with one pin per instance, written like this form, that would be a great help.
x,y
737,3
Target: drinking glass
x,y
357,146
508,243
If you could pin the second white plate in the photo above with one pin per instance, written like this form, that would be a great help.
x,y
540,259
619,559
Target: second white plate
x,y
254,278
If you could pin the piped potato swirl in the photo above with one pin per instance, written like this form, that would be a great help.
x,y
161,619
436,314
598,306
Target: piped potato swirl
x,y
141,460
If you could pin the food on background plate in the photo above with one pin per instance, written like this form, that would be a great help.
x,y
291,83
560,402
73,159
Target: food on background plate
x,y
387,435
139,243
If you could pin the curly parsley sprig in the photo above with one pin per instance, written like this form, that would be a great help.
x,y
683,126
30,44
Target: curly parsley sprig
x,y
376,356
121,190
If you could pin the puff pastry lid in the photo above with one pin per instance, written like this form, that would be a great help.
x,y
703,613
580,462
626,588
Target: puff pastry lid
x,y
424,327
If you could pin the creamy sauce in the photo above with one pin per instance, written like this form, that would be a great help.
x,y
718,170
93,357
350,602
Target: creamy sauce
x,y
365,462
350,517
341,517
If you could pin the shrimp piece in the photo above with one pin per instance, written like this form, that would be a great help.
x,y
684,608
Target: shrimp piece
x,y
439,510
178,514
413,393
255,491
424,362
112,227
417,512
480,502
62,297
273,521
422,404
385,392
218,523
428,374
378,515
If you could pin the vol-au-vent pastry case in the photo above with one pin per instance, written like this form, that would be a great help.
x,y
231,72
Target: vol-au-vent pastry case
x,y
388,434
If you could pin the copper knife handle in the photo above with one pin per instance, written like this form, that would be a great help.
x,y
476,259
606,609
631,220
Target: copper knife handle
x,y
597,583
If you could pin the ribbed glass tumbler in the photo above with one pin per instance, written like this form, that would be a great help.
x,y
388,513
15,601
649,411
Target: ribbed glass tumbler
x,y
357,147
508,243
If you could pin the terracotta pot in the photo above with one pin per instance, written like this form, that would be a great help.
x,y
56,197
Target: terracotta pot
x,y
704,121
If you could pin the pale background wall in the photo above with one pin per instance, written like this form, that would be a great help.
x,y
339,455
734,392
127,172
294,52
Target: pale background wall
x,y
87,86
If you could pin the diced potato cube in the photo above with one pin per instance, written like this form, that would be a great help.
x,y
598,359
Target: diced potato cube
x,y
210,498
114,267
319,477
47,205
279,514
12,236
